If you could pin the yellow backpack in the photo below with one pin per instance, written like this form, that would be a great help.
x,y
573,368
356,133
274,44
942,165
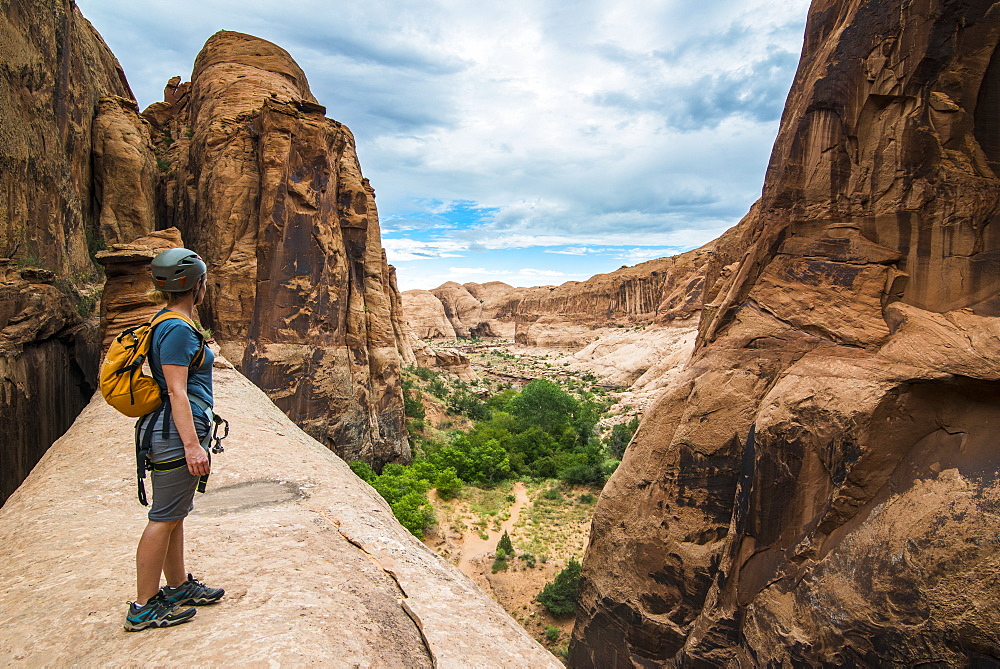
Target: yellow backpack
x,y
123,383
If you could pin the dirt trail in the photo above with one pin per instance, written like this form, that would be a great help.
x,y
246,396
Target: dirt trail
x,y
475,547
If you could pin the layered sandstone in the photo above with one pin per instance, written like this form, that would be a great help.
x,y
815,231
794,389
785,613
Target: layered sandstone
x,y
270,192
661,291
54,72
317,571
818,486
124,301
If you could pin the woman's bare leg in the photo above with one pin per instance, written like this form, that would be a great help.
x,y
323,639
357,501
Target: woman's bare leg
x,y
150,558
173,565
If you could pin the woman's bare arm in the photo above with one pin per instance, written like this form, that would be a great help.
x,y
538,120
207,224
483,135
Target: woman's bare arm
x,y
180,407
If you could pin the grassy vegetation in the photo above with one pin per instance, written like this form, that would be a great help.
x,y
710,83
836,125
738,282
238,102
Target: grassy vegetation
x,y
542,432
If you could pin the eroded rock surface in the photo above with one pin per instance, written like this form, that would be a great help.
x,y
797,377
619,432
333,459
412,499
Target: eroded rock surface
x,y
124,302
316,569
269,190
659,291
54,71
818,486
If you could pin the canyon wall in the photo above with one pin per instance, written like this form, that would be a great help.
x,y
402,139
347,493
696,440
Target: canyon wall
x,y
661,291
269,191
66,116
818,486
245,164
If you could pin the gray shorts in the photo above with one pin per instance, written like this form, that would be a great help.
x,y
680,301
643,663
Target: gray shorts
x,y
173,491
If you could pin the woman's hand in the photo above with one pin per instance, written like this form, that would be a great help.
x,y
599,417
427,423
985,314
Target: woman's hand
x,y
197,460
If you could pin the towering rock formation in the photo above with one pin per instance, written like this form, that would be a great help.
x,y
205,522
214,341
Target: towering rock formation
x,y
59,138
270,192
243,161
819,486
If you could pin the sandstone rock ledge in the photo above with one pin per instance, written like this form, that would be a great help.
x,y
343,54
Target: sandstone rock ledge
x,y
316,569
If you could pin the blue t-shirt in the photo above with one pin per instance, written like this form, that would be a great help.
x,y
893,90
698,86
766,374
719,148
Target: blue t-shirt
x,y
176,343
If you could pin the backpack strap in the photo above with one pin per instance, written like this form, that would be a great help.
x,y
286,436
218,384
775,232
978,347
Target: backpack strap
x,y
144,440
199,357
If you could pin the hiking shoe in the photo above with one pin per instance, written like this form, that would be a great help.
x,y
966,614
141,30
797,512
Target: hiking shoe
x,y
192,592
157,612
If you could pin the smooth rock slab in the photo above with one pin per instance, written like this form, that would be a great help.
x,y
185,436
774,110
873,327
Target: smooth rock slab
x,y
316,569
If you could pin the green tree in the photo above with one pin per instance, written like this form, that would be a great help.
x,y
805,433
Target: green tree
x,y
447,483
559,596
544,404
363,470
505,544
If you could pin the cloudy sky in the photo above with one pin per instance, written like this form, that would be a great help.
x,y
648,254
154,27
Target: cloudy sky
x,y
527,141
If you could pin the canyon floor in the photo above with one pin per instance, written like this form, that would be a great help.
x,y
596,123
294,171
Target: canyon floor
x,y
548,521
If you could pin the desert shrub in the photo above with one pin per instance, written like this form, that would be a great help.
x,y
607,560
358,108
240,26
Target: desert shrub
x,y
414,429
583,473
465,402
447,483
559,596
552,633
552,494
405,489
423,373
620,437
412,406
475,463
414,512
586,498
438,388
500,563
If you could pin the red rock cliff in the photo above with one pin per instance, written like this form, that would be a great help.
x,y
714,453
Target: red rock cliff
x,y
59,133
819,487
658,291
269,190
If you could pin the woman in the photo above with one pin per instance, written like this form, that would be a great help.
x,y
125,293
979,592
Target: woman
x,y
179,431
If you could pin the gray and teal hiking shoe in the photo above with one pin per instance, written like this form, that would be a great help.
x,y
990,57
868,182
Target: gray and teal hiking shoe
x,y
157,612
192,592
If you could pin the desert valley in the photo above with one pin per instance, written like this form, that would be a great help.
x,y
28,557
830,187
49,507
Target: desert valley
x,y
777,449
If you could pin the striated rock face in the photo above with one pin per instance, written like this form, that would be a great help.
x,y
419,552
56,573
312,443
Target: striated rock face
x,y
125,171
819,485
659,291
54,72
270,192
426,316
126,266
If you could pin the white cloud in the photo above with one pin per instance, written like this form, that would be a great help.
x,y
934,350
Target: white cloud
x,y
400,250
583,124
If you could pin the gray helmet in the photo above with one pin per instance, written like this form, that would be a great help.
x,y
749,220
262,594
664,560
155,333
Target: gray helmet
x,y
177,270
